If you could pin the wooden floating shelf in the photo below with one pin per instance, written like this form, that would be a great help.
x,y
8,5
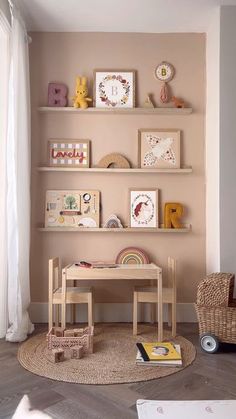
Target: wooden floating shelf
x,y
114,170
128,111
186,229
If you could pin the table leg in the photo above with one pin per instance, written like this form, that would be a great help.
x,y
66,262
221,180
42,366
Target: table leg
x,y
160,306
153,306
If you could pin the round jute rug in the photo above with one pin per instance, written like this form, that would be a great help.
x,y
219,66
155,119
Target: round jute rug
x,y
112,362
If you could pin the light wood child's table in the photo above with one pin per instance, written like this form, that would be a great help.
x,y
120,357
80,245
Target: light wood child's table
x,y
128,272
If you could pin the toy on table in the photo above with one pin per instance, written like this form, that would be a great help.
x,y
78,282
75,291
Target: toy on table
x,y
80,100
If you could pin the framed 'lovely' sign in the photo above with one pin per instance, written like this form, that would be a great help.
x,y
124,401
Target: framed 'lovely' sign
x,y
69,153
114,88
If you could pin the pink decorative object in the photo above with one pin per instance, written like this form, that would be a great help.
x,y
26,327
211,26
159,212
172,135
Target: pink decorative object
x,y
57,94
164,94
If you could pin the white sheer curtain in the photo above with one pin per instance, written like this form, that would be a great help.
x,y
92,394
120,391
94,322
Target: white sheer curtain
x,y
4,72
18,183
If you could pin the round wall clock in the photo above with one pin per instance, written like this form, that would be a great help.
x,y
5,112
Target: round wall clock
x,y
164,71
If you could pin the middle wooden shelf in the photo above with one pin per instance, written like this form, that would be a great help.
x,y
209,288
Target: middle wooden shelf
x,y
185,229
114,170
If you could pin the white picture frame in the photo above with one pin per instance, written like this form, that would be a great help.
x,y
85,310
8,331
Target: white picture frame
x,y
143,208
114,88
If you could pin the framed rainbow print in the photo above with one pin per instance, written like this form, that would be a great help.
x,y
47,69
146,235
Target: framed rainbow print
x,y
143,208
159,148
69,153
114,88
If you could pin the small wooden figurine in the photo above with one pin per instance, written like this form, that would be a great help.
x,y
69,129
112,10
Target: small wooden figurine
x,y
76,352
178,103
172,213
69,333
80,100
57,355
148,103
113,222
58,331
78,332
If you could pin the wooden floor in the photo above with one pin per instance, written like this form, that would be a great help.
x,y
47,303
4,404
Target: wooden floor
x,y
210,377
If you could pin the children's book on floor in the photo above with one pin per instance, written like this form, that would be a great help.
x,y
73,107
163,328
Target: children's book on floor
x,y
174,358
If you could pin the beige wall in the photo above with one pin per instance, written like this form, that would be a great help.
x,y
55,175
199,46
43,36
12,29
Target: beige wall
x,y
62,56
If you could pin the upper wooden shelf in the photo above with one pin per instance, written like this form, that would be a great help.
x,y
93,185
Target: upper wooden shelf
x,y
128,111
112,170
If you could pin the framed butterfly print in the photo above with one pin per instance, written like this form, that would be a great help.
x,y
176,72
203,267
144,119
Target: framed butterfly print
x,y
159,148
143,208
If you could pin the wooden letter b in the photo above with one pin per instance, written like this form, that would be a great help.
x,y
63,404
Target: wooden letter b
x,y
57,94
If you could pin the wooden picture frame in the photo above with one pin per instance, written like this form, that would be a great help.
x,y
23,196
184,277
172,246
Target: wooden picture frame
x,y
72,208
69,153
143,208
159,148
114,88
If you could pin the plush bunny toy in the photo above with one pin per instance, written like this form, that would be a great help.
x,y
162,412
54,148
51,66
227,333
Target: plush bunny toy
x,y
80,100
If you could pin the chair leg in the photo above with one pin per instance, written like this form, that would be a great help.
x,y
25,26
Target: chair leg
x,y
50,314
170,312
135,314
56,315
174,319
153,313
90,310
63,304
72,313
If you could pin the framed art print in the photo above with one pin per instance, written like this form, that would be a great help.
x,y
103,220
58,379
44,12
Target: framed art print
x,y
69,153
114,88
143,208
72,208
159,148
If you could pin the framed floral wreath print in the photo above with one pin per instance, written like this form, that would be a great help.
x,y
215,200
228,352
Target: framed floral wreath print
x,y
143,208
114,88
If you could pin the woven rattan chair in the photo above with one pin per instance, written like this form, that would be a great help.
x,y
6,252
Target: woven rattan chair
x,y
74,295
149,295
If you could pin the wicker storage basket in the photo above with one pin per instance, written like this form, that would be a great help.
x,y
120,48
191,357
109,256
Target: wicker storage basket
x,y
216,308
85,339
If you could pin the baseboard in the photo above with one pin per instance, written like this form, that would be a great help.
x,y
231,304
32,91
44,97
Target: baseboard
x,y
114,312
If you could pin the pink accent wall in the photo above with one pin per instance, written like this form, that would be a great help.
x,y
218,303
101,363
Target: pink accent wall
x,y
60,57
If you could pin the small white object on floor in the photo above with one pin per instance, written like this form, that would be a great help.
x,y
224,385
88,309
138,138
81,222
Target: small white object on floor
x,y
24,411
197,409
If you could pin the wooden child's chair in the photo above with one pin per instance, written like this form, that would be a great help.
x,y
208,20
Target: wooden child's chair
x,y
149,295
73,295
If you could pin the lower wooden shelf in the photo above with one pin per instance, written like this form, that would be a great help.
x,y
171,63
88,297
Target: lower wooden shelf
x,y
186,229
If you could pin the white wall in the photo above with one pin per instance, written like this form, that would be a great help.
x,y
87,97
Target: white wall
x,y
228,139
212,144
